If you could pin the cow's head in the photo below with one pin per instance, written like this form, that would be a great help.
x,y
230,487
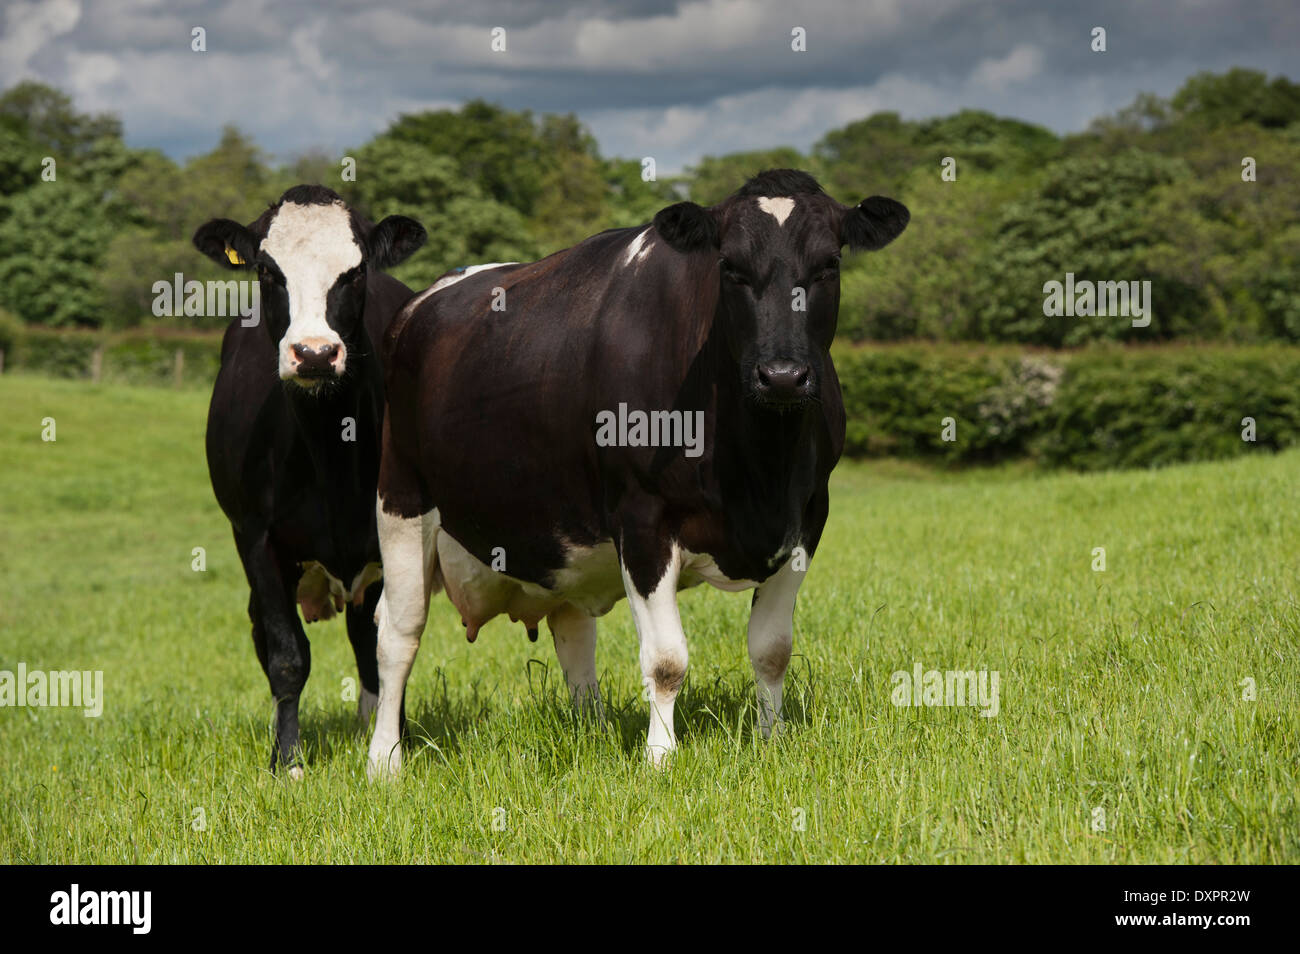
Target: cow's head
x,y
311,253
777,243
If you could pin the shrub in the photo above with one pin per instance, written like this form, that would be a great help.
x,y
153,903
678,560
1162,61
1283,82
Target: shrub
x,y
134,357
1091,409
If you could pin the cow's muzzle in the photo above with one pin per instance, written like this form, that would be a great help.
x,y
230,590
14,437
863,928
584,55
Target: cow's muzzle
x,y
783,383
312,359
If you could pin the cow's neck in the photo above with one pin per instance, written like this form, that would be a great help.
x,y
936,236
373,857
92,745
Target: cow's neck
x,y
765,460
338,449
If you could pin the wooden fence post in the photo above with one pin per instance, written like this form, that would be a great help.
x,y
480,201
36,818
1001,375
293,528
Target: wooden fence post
x,y
178,367
96,363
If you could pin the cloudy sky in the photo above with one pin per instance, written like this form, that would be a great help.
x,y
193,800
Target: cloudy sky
x,y
671,80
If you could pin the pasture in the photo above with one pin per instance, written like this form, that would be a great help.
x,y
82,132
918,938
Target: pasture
x,y
1122,734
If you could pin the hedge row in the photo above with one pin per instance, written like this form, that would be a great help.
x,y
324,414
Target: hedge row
x,y
1087,410
958,404
132,357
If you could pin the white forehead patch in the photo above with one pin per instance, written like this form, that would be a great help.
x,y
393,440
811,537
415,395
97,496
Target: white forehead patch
x,y
779,208
313,245
312,240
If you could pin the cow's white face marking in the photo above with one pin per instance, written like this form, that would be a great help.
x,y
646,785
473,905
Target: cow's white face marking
x,y
779,208
639,248
312,245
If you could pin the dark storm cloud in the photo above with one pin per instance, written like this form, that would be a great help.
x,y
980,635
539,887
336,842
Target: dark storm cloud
x,y
673,80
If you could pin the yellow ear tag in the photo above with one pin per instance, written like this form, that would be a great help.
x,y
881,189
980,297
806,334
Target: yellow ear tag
x,y
233,256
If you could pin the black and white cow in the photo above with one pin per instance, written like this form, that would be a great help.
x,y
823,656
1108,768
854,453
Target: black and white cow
x,y
515,475
294,424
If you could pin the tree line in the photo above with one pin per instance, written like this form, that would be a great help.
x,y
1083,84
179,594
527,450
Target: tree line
x,y
1197,194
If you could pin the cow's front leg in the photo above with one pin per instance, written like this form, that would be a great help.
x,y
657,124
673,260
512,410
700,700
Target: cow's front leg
x,y
771,637
281,644
651,590
574,633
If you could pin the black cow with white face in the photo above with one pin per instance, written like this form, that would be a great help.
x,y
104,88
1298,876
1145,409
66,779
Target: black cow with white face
x,y
294,429
516,476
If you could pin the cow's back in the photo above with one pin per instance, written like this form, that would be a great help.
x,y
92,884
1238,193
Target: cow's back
x,y
496,407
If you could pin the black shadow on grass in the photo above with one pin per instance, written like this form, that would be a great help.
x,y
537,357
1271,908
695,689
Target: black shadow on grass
x,y
727,704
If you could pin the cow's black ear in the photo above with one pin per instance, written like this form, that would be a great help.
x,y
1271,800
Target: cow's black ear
x,y
873,223
394,240
226,242
687,227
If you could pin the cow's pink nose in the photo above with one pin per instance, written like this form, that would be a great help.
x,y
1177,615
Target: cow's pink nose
x,y
316,358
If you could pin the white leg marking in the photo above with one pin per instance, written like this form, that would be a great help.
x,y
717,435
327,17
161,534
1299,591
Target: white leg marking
x,y
574,633
366,704
771,636
406,549
663,654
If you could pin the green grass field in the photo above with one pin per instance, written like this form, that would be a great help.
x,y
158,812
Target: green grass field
x,y
1120,691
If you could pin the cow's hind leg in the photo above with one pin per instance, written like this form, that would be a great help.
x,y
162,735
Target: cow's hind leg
x,y
407,548
362,633
281,645
574,633
771,638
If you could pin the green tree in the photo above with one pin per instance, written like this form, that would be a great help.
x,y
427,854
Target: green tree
x,y
630,199
1238,96
1232,245
53,234
716,177
45,117
51,242
1088,216
500,151
572,203
877,153
921,285
465,227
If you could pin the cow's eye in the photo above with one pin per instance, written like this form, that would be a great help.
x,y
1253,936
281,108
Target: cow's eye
x,y
730,273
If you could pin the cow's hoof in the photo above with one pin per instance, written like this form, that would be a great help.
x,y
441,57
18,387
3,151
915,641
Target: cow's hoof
x,y
587,704
659,756
296,772
384,766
